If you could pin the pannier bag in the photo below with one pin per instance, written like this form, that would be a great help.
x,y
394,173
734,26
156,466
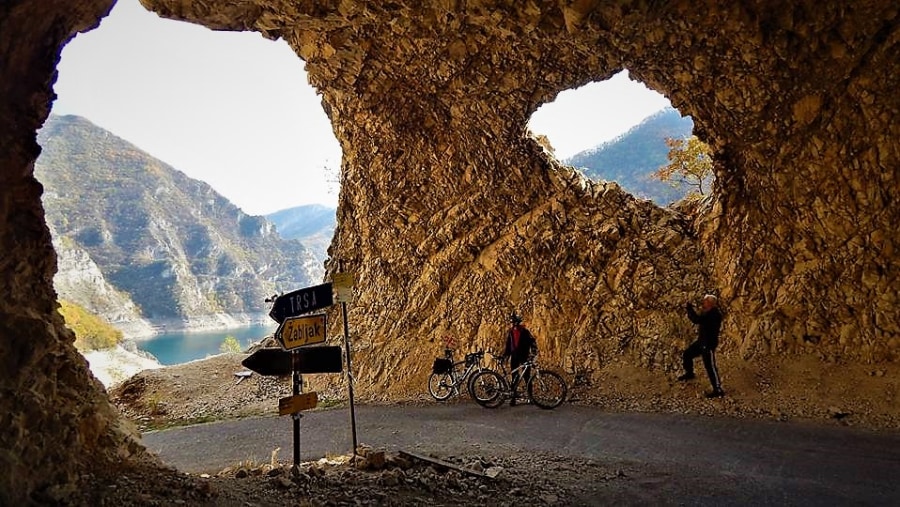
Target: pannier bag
x,y
442,365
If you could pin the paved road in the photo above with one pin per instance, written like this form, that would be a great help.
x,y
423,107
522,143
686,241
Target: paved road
x,y
717,459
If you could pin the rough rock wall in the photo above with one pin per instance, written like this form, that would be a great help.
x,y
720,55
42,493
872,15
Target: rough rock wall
x,y
56,419
451,216
800,103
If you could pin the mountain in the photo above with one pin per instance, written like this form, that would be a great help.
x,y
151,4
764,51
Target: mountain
x,y
181,252
312,224
630,158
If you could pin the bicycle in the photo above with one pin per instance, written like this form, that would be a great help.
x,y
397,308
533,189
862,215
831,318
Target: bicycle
x,y
545,388
447,376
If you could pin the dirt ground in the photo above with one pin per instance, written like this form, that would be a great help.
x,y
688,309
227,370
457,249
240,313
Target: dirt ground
x,y
796,388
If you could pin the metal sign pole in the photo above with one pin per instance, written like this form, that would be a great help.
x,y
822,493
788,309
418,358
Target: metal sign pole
x,y
349,377
349,368
298,381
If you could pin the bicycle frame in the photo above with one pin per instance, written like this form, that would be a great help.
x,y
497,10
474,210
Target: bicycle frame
x,y
458,373
491,393
529,366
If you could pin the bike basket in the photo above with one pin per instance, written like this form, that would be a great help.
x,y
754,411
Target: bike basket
x,y
442,365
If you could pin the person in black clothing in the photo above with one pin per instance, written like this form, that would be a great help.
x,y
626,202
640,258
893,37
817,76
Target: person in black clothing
x,y
709,321
520,345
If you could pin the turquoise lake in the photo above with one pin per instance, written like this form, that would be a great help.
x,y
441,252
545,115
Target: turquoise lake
x,y
177,348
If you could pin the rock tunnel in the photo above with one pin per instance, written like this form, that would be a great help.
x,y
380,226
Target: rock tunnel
x,y
451,215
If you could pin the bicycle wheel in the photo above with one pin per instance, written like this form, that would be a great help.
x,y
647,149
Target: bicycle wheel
x,y
488,388
470,383
440,385
547,389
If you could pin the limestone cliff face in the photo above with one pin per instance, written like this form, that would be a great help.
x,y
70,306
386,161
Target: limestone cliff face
x,y
451,217
81,281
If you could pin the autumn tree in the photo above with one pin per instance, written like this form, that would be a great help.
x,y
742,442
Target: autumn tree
x,y
690,164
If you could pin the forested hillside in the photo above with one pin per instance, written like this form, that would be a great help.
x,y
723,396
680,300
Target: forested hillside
x,y
630,158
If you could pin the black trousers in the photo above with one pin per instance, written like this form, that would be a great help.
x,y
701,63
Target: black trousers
x,y
514,363
709,361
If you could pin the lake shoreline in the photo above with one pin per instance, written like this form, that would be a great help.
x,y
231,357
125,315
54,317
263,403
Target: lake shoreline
x,y
186,345
204,324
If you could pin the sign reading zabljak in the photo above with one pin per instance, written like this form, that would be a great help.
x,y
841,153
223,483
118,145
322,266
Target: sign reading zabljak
x,y
299,331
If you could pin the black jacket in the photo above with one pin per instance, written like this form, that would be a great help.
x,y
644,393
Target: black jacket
x,y
709,322
526,346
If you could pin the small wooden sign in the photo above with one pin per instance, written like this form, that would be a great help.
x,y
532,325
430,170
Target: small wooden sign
x,y
343,287
297,403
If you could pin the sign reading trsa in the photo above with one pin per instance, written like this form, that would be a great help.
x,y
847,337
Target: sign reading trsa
x,y
299,331
301,301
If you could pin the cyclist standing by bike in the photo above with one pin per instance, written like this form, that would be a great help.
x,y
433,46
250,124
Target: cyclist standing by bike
x,y
520,345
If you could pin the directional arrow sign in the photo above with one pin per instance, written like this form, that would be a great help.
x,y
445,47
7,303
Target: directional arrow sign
x,y
270,361
301,301
297,402
279,362
299,331
319,360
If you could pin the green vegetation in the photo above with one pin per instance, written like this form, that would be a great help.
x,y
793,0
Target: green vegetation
x,y
230,344
91,332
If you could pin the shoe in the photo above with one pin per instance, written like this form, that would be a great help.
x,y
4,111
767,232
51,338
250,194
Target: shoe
x,y
512,402
686,377
716,393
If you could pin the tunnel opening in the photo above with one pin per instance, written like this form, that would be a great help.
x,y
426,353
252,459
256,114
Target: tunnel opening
x,y
621,130
149,111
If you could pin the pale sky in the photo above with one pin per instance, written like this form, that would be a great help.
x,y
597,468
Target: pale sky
x,y
236,110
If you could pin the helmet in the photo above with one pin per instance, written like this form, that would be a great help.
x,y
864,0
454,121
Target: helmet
x,y
515,319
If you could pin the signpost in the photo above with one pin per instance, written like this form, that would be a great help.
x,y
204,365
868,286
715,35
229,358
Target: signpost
x,y
272,361
299,331
301,301
296,329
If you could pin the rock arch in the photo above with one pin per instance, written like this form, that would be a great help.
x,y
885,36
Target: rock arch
x,y
451,216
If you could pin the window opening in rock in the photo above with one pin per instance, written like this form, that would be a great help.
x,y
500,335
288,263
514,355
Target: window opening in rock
x,y
615,130
149,112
